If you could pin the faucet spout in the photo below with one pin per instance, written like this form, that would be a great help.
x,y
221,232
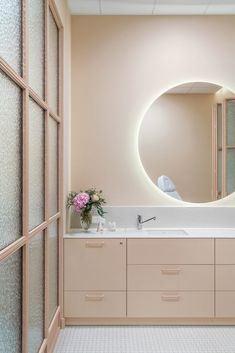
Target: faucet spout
x,y
140,221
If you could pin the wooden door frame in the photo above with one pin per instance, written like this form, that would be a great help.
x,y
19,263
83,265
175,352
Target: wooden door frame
x,y
22,81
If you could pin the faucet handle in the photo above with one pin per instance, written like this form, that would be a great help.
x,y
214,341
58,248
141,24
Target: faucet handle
x,y
139,222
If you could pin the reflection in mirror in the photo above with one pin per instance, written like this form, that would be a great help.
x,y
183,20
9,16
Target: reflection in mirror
x,y
187,142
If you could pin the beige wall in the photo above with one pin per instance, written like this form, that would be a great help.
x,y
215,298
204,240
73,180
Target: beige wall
x,y
120,65
176,140
66,20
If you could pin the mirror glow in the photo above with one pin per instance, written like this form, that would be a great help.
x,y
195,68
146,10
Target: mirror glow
x,y
186,142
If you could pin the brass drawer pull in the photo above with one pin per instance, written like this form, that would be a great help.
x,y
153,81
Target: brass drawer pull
x,y
170,271
94,245
94,297
170,298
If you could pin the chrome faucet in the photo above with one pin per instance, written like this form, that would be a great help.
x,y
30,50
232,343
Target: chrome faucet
x,y
140,222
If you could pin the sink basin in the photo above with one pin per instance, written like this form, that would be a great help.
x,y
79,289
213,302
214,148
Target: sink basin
x,y
166,232
156,232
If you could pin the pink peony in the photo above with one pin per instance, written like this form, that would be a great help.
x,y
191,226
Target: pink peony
x,y
80,201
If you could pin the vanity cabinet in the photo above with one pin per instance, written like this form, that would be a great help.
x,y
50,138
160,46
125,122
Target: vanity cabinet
x,y
149,280
225,278
170,251
170,278
95,277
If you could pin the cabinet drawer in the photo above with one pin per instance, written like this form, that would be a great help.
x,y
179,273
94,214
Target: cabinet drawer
x,y
170,251
170,277
225,251
170,304
95,264
225,277
94,304
225,304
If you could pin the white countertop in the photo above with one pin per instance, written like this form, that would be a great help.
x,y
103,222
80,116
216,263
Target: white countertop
x,y
155,233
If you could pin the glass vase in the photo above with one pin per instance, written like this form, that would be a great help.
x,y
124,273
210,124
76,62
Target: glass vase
x,y
86,220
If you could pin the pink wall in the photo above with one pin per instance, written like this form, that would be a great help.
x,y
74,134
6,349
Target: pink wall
x,y
120,65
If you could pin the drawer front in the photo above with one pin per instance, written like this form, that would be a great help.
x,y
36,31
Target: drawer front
x,y
225,277
94,304
170,251
170,277
170,304
225,304
95,264
225,251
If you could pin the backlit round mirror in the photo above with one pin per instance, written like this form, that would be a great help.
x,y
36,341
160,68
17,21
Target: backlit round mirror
x,y
187,142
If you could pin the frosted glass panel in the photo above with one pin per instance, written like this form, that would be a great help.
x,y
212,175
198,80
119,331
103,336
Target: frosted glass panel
x,y
10,33
219,125
10,160
36,164
231,122
36,292
10,304
53,166
53,269
53,64
230,171
36,45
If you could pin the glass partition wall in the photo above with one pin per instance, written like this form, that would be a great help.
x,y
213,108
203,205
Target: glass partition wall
x,y
30,179
224,148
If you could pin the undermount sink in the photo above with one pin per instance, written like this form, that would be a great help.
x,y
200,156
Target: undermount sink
x,y
156,232
166,232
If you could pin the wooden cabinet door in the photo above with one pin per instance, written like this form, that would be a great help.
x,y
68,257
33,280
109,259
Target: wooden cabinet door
x,y
95,264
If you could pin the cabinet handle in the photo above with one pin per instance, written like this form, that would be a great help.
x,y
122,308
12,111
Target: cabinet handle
x,y
94,245
94,297
170,271
170,298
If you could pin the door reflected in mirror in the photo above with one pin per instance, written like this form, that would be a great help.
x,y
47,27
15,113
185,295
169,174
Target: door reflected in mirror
x,y
187,142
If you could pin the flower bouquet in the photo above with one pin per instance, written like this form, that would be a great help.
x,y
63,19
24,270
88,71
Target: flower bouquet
x,y
83,203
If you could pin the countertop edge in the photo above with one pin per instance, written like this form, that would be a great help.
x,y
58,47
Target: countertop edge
x,y
132,233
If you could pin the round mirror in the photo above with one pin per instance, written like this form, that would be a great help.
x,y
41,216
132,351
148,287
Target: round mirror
x,y
187,142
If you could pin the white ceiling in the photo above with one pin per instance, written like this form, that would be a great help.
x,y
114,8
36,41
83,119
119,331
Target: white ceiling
x,y
195,88
152,7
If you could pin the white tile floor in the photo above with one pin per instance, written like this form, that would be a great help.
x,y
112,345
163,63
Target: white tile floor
x,y
146,339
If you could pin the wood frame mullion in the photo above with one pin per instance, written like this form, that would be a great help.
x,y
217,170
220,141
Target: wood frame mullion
x,y
224,152
46,240
54,217
11,248
25,176
37,99
59,119
14,76
214,152
46,235
60,179
55,13
38,229
25,223
46,50
55,117
22,81
43,225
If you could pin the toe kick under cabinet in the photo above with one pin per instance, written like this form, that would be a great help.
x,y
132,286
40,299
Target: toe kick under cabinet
x,y
139,280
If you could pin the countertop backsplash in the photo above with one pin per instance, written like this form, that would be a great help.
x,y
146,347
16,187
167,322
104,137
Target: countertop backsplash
x,y
168,217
